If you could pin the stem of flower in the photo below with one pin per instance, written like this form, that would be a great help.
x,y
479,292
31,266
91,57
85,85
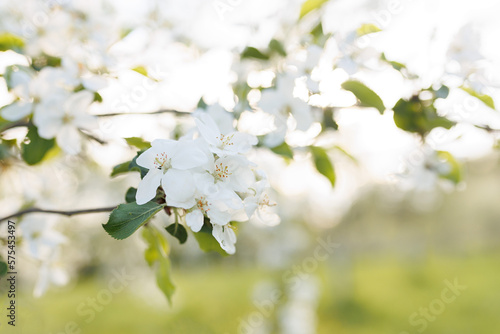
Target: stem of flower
x,y
176,220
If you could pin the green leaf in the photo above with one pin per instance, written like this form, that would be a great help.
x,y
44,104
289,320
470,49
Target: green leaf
x,y
97,97
365,95
347,154
157,245
367,28
442,92
127,218
164,280
323,163
283,150
251,52
10,70
328,121
206,240
317,31
125,31
138,142
396,65
3,268
130,195
130,166
10,41
45,60
156,256
133,166
141,70
418,116
486,99
9,142
179,231
455,173
310,5
318,36
34,151
277,47
201,104
7,148
121,168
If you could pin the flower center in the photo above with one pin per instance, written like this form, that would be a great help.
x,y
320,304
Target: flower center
x,y
225,140
202,204
68,119
265,201
221,172
162,162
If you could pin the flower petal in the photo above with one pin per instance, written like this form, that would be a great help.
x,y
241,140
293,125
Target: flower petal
x,y
207,127
158,147
188,155
250,205
69,139
179,188
78,102
16,111
218,217
167,146
241,143
226,238
302,114
146,159
146,190
85,121
194,220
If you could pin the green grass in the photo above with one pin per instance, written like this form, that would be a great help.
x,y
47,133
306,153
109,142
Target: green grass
x,y
370,295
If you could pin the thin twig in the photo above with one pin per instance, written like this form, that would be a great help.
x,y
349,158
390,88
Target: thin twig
x,y
487,128
92,137
17,124
162,111
58,212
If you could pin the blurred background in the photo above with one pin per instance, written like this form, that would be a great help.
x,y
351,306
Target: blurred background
x,y
390,261
392,248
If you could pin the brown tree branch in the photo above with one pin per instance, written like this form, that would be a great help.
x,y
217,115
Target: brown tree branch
x,y
17,124
162,111
58,212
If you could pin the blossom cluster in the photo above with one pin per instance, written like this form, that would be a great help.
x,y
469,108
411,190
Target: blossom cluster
x,y
57,98
65,54
209,176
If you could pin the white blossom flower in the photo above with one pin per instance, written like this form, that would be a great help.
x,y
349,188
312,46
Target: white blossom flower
x,y
62,117
40,237
426,172
51,83
31,90
217,203
223,143
226,237
282,102
233,172
169,162
258,206
50,272
42,242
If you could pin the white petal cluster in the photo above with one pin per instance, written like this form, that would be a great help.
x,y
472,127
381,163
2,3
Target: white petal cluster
x,y
58,99
42,242
207,175
68,54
